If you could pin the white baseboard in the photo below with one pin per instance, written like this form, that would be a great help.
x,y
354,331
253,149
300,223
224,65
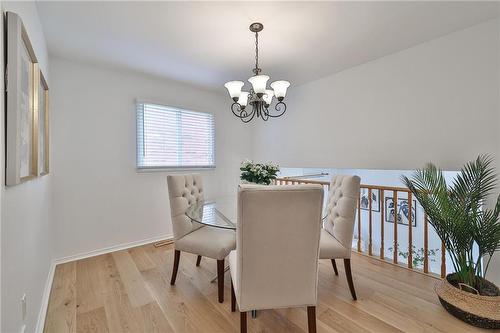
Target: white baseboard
x,y
40,323
50,278
112,248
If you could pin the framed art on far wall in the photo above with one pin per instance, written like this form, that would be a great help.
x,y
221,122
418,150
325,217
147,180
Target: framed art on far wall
x,y
402,211
365,201
41,98
22,123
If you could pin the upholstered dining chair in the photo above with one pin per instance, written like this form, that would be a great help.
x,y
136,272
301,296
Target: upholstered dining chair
x,y
193,237
275,264
338,228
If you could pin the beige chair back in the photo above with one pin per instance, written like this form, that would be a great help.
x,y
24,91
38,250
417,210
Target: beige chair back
x,y
277,245
341,208
183,190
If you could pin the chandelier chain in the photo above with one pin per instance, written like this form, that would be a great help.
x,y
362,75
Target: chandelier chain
x,y
257,70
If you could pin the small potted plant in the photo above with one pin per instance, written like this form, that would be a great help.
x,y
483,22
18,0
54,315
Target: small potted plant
x,y
471,235
258,173
417,255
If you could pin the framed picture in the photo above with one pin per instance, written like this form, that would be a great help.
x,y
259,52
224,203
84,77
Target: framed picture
x,y
365,201
42,113
22,123
402,211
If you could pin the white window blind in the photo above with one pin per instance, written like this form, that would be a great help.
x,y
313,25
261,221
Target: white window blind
x,y
168,137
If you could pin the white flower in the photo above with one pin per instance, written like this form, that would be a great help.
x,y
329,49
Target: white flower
x,y
246,163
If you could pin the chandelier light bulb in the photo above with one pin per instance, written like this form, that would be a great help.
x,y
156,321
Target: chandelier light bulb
x,y
268,96
243,99
259,84
280,88
234,89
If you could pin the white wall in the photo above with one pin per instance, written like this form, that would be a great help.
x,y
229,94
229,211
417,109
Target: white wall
x,y
26,224
494,270
432,102
101,200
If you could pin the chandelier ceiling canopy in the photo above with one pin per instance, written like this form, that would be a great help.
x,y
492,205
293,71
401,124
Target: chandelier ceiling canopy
x,y
257,101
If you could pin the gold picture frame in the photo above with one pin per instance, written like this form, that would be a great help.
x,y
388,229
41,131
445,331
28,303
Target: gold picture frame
x,y
41,98
22,124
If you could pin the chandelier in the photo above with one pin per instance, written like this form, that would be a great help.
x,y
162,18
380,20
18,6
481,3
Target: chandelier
x,y
258,99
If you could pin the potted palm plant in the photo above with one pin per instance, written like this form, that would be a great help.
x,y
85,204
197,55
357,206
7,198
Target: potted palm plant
x,y
471,235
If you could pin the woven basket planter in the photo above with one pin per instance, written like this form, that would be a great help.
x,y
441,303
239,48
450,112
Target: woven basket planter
x,y
477,310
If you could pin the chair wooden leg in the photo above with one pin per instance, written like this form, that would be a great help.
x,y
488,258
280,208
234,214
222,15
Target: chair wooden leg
x,y
220,279
177,257
335,267
348,274
243,322
198,261
311,319
233,298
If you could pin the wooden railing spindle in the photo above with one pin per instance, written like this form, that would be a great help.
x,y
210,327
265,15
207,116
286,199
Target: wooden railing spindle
x,y
410,231
381,203
370,221
359,222
426,244
395,220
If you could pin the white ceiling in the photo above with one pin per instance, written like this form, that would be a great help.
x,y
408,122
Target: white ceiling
x,y
208,43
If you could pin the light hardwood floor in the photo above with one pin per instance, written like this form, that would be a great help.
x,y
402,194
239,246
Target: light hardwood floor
x,y
129,291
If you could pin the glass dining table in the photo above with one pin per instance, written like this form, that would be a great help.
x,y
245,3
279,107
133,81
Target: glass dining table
x,y
219,213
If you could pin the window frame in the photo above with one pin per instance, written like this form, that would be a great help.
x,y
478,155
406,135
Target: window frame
x,y
140,127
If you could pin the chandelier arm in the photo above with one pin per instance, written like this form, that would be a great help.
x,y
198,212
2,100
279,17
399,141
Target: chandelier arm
x,y
239,112
279,107
237,107
265,112
246,120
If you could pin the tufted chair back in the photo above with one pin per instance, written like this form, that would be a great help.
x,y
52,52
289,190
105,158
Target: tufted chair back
x,y
183,190
341,208
277,245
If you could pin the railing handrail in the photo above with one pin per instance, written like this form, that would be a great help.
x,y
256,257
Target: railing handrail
x,y
303,181
324,182
309,175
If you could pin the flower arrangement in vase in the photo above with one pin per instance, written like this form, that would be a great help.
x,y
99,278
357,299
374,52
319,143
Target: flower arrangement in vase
x,y
258,173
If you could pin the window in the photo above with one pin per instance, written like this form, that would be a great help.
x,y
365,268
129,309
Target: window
x,y
168,137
